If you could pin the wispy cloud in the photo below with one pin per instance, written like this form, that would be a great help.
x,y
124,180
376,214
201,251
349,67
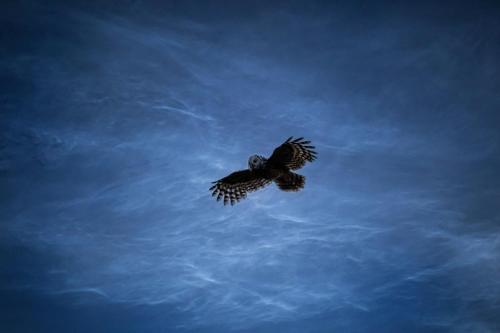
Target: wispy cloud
x,y
107,161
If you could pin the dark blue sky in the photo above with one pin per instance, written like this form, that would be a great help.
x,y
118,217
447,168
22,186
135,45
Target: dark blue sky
x,y
116,116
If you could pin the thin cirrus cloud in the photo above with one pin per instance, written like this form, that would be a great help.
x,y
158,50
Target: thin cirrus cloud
x,y
110,156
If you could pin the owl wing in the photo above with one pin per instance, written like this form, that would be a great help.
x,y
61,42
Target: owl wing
x,y
234,187
293,153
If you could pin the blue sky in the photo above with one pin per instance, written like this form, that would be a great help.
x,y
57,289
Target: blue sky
x,y
116,117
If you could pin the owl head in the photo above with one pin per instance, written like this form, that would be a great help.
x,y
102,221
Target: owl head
x,y
256,162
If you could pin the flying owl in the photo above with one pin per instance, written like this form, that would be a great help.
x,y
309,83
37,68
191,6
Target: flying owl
x,y
291,155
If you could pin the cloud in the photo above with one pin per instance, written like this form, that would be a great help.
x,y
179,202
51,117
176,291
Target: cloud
x,y
107,164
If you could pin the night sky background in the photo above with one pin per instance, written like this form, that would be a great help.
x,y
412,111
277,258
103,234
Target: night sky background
x,y
116,116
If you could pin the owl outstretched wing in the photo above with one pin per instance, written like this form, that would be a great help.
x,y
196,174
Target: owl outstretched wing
x,y
234,187
293,153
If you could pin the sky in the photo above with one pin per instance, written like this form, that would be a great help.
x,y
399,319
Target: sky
x,y
117,115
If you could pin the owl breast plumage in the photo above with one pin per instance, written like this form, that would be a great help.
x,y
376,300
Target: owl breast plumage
x,y
291,155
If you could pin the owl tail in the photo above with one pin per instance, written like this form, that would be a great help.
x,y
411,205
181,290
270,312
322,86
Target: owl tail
x,y
290,181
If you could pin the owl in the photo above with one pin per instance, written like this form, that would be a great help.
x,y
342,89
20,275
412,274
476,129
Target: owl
x,y
291,155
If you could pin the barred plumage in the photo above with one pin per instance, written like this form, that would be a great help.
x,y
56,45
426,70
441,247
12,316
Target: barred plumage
x,y
291,155
294,153
234,187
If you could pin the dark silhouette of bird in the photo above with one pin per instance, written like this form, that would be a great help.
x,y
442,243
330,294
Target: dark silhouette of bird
x,y
291,155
